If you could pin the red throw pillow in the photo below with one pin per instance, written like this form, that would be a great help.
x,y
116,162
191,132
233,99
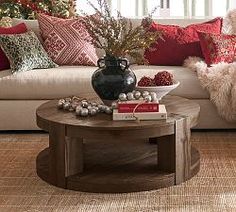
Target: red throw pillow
x,y
67,41
178,43
18,29
218,48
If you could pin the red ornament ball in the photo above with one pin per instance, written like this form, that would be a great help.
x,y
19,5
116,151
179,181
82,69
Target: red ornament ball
x,y
163,78
146,82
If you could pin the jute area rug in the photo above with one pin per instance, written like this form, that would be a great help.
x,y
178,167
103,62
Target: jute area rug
x,y
213,189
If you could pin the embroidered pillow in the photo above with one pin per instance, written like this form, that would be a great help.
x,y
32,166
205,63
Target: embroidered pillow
x,y
25,52
218,48
67,41
179,43
20,28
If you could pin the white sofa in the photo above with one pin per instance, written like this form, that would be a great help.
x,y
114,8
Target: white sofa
x,y
22,93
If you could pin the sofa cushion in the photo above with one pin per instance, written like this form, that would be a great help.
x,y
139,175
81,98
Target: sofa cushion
x,y
25,52
18,29
67,41
218,48
184,41
48,83
75,80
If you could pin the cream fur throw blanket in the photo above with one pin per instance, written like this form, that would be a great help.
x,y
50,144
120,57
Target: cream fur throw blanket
x,y
229,23
220,81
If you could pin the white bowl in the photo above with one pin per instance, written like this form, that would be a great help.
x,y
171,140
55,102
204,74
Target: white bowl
x,y
161,91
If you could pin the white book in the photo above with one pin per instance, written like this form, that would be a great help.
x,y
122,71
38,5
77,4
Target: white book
x,y
162,114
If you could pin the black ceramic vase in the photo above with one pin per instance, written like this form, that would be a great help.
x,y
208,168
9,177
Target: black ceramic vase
x,y
112,78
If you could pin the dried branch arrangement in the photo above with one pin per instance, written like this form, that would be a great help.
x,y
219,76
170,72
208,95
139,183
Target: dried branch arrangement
x,y
116,35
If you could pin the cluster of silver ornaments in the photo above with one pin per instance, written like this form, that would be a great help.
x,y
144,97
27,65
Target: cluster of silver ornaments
x,y
82,107
137,95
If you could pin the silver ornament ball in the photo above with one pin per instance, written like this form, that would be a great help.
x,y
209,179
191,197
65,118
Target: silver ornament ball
x,y
114,105
148,98
94,104
153,95
92,111
108,110
137,95
103,110
96,108
78,110
100,107
130,96
84,104
61,100
66,106
60,104
145,93
122,97
84,112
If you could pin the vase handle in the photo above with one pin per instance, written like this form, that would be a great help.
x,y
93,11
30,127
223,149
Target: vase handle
x,y
125,63
101,63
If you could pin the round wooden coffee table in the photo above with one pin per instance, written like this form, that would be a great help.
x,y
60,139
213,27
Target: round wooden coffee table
x,y
96,154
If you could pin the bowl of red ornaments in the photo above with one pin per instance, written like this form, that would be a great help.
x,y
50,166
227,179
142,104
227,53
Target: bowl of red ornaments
x,y
162,83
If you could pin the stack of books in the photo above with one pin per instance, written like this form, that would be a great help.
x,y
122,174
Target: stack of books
x,y
133,110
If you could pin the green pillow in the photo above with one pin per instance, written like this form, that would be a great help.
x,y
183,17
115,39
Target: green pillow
x,y
25,52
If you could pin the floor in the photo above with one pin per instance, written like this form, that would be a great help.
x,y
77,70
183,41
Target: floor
x,y
213,189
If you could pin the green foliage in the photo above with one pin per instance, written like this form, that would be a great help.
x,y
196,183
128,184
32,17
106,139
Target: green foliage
x,y
12,10
27,9
61,8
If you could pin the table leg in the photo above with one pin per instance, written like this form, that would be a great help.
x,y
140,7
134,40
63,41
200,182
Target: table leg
x,y
65,155
182,149
57,155
74,156
174,151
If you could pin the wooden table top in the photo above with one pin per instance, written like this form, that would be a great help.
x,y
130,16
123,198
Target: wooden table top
x,y
48,114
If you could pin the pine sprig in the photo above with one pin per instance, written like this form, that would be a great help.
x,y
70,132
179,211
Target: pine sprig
x,y
117,36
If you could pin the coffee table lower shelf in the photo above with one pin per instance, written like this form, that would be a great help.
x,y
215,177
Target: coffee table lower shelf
x,y
140,175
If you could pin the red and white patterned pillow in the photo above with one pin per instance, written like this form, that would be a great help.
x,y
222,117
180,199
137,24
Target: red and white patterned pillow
x,y
66,41
218,48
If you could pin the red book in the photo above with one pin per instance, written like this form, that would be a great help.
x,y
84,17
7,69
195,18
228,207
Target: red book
x,y
128,107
